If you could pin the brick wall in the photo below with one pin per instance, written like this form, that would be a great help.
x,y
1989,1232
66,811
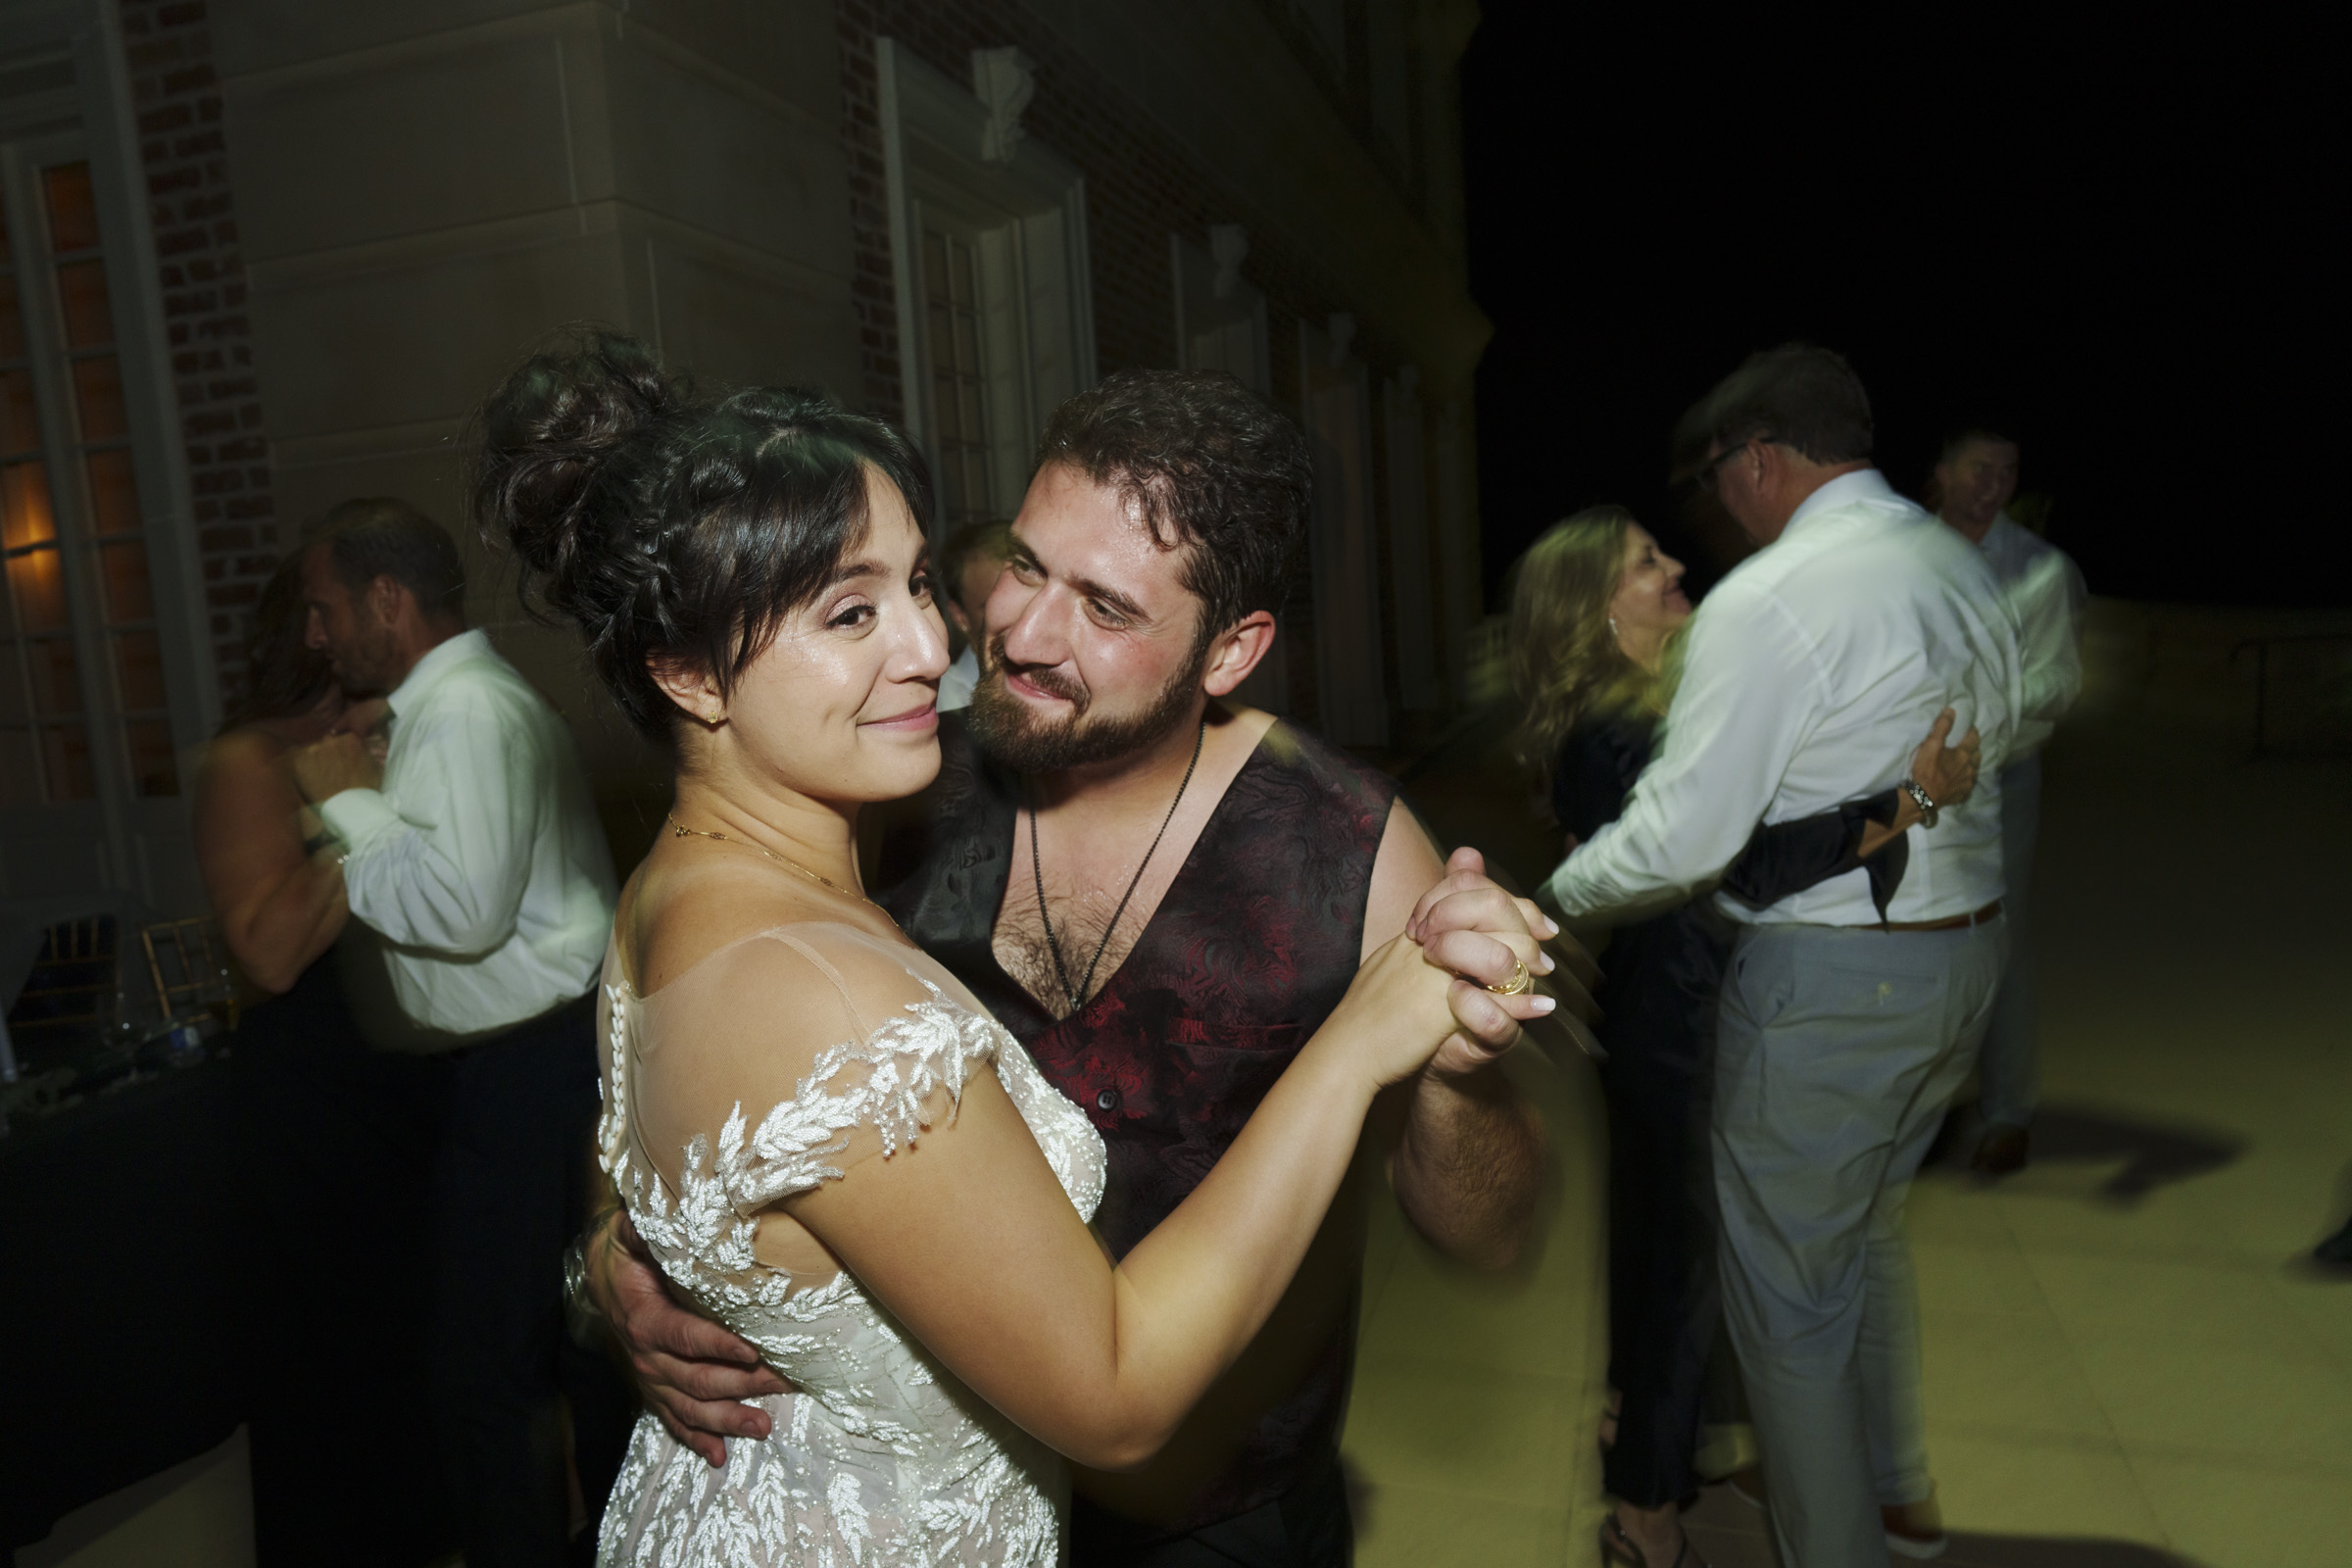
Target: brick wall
x,y
178,101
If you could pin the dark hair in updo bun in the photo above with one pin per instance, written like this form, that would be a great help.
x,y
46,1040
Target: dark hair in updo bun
x,y
669,526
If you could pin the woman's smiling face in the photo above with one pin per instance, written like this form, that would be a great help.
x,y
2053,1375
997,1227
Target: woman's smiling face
x,y
842,705
1650,603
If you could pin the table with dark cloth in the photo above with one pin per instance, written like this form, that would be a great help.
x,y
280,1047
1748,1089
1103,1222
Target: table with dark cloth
x,y
241,1241
119,1304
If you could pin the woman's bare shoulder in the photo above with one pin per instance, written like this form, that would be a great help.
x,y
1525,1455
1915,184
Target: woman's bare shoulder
x,y
245,768
680,910
247,747
753,1003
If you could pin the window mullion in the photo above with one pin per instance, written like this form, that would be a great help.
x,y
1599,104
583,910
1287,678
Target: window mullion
x,y
37,302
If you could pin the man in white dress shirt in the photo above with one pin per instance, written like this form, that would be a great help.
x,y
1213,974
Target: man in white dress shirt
x,y
968,569
1810,671
474,853
1976,477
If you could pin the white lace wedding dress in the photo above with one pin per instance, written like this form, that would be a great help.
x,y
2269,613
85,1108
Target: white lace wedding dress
x,y
881,1457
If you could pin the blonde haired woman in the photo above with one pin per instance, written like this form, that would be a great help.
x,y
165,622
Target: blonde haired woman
x,y
1596,618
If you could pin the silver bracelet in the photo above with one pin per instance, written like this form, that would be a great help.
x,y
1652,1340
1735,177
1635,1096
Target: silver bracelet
x,y
1921,799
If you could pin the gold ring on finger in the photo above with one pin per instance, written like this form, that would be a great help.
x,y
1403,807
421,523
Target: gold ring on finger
x,y
1519,981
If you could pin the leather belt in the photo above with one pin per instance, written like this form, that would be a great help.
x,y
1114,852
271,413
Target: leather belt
x,y
1954,923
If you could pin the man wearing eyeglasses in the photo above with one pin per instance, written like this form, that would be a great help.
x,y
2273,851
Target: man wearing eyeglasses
x,y
1809,675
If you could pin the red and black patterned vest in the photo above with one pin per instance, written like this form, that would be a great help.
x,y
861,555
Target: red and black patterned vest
x,y
1251,948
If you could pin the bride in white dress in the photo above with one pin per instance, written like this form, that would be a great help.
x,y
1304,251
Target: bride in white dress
x,y
826,1143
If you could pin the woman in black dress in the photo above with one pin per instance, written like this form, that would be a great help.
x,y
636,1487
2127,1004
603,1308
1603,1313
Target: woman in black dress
x,y
1595,623
333,1138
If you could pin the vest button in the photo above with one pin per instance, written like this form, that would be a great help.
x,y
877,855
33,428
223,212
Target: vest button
x,y
1107,1101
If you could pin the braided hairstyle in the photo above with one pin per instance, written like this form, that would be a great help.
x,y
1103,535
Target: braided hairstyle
x,y
669,527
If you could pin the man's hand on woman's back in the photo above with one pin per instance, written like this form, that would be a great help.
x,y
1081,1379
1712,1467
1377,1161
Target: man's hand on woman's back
x,y
1947,771
691,1372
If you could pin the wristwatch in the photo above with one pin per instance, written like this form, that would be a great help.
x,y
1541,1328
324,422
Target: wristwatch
x,y
1921,799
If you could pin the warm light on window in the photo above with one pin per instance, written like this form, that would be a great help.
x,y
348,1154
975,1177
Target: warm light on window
x,y
38,587
25,496
58,726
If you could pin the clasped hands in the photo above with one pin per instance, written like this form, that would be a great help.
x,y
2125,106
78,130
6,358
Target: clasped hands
x,y
348,756
1459,923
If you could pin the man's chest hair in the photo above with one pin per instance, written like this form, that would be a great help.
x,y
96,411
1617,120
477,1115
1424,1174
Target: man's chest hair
x,y
1021,948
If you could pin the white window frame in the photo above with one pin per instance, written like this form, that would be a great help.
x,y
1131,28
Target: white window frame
x,y
121,841
1028,205
1237,311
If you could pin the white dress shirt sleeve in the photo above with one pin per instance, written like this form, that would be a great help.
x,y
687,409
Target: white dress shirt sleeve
x,y
2049,601
1750,694
444,867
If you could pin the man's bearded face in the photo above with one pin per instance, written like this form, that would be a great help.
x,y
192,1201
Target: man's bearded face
x,y
1020,738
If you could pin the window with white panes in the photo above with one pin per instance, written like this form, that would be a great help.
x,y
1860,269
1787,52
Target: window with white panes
x,y
81,671
988,251
959,380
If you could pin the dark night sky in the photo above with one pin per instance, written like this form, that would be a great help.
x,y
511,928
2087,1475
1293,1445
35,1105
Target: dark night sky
x,y
2113,242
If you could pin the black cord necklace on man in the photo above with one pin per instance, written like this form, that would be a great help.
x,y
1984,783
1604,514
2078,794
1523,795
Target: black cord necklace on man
x,y
1037,869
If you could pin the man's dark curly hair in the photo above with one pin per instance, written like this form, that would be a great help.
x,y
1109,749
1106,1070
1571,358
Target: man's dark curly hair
x,y
1212,469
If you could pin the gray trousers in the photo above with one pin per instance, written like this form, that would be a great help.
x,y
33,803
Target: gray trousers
x,y
2010,1069
1838,1051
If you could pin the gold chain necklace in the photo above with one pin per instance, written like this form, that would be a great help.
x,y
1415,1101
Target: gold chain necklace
x,y
678,829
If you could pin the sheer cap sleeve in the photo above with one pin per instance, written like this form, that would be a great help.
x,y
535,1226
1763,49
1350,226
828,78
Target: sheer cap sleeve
x,y
768,1061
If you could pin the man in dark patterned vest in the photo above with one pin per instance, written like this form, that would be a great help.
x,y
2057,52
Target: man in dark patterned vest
x,y
1162,893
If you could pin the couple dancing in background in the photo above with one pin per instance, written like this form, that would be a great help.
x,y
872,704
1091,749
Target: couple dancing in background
x,y
1756,760
1231,949
1597,615
420,1095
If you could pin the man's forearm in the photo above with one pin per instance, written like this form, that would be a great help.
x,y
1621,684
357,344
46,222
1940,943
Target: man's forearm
x,y
1469,1164
1748,691
460,899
